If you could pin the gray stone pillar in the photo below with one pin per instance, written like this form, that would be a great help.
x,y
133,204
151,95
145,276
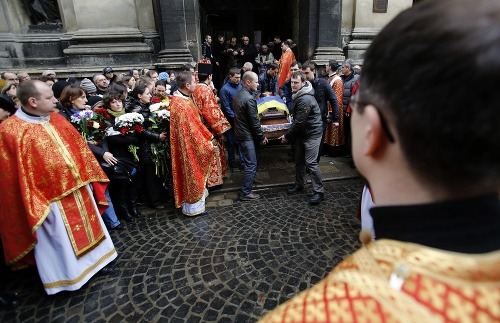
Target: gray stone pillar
x,y
368,23
328,23
181,33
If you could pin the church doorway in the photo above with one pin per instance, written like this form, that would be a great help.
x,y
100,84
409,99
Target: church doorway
x,y
261,20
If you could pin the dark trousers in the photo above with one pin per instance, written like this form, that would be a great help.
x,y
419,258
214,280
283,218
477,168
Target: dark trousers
x,y
249,154
152,185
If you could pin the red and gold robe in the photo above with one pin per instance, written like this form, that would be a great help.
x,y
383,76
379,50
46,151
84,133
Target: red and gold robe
x,y
284,67
334,135
216,122
42,163
436,286
192,151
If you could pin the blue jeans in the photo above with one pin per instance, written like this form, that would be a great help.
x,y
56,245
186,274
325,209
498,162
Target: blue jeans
x,y
248,155
109,216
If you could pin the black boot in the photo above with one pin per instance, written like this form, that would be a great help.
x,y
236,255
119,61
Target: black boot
x,y
132,201
119,197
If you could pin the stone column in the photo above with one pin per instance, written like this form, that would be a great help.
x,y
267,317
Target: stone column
x,y
181,33
102,33
328,25
367,25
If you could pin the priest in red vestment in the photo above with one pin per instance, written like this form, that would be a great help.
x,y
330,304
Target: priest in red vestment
x,y
285,62
434,171
50,215
191,147
214,120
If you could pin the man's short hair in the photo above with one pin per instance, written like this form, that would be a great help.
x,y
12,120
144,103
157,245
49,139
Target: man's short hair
x,y
349,63
299,74
118,86
233,71
183,78
248,76
444,55
26,90
145,80
309,64
272,66
203,77
299,65
187,67
333,64
248,65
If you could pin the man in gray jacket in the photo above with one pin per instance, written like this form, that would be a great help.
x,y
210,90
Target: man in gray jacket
x,y
247,132
306,130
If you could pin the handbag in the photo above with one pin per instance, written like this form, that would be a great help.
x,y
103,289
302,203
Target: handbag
x,y
119,172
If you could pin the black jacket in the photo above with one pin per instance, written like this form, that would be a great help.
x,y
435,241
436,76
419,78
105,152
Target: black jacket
x,y
323,93
146,137
97,150
307,121
246,122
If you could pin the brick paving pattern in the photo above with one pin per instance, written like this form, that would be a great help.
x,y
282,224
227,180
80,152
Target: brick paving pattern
x,y
232,265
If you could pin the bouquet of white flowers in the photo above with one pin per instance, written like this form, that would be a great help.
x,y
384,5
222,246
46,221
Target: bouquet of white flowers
x,y
129,122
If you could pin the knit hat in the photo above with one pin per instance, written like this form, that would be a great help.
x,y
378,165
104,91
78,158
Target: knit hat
x,y
107,69
93,99
58,87
163,76
48,72
88,86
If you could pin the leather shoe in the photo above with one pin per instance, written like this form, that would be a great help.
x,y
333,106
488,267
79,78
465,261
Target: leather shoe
x,y
119,227
316,198
295,189
257,181
250,197
107,270
8,301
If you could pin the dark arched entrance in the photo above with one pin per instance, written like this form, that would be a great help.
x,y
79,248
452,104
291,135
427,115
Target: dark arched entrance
x,y
261,20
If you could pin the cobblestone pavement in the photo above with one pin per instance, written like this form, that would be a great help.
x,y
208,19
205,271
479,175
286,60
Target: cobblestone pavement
x,y
232,265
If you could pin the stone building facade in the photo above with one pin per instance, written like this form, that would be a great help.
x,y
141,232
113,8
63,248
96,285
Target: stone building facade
x,y
88,35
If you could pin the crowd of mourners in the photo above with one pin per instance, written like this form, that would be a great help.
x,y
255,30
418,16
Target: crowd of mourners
x,y
177,133
145,155
156,136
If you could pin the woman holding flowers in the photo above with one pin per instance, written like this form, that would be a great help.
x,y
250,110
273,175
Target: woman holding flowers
x,y
152,180
73,99
121,139
92,127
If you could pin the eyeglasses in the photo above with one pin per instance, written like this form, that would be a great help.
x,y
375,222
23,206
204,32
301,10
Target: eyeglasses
x,y
383,121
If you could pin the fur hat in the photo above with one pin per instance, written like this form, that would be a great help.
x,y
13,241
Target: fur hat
x,y
58,87
88,86
7,104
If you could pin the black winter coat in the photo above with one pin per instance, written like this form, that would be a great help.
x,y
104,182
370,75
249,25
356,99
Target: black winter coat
x,y
323,93
307,121
146,137
246,121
